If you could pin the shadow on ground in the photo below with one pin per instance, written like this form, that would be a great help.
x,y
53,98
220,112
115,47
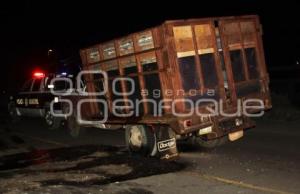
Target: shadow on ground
x,y
77,166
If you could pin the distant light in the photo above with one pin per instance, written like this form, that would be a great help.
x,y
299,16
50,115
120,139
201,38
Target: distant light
x,y
38,74
49,52
64,73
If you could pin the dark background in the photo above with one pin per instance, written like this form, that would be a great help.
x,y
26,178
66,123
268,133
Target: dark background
x,y
29,29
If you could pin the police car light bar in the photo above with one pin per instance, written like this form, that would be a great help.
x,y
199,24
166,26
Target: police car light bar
x,y
38,74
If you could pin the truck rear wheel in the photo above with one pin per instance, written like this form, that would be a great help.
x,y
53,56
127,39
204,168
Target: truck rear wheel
x,y
140,140
210,144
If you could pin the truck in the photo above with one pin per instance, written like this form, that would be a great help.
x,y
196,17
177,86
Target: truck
x,y
200,80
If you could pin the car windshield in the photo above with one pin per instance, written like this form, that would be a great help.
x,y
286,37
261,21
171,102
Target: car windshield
x,y
61,85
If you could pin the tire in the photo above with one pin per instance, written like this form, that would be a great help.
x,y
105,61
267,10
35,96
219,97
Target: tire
x,y
12,110
51,121
209,144
140,140
74,128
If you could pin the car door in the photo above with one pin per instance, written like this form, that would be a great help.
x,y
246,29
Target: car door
x,y
36,98
22,98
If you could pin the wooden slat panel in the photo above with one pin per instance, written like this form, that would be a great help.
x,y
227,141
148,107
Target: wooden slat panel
x,y
204,35
248,31
109,50
144,41
125,46
232,32
183,38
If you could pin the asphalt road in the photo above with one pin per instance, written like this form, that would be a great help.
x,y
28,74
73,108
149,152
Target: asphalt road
x,y
36,160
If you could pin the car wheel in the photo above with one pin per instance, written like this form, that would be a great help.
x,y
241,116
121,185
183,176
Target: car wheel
x,y
12,110
51,121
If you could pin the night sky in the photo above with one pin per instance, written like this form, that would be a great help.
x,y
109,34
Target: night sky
x,y
29,29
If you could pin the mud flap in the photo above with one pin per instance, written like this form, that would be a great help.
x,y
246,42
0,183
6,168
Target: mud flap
x,y
166,143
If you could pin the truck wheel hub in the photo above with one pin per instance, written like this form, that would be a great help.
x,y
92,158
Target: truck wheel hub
x,y
136,137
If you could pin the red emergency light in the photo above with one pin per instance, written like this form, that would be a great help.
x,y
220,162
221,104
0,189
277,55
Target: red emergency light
x,y
38,74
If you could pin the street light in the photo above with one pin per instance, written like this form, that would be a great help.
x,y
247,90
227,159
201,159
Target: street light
x,y
49,51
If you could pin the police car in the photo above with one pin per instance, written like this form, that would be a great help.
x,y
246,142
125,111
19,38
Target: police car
x,y
34,100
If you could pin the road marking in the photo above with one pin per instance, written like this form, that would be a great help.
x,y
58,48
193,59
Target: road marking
x,y
239,183
43,140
